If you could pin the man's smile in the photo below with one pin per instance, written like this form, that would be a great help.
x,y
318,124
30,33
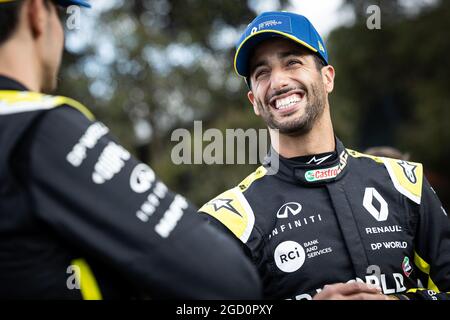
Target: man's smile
x,y
288,102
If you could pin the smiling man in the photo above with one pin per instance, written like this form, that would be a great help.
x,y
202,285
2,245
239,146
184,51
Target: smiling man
x,y
326,222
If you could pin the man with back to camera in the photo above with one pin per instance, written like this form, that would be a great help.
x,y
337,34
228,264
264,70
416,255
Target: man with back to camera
x,y
318,220
80,218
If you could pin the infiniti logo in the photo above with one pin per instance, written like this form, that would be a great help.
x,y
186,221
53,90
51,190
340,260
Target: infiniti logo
x,y
292,208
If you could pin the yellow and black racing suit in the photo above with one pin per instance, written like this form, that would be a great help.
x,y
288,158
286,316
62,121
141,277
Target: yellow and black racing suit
x,y
339,217
81,218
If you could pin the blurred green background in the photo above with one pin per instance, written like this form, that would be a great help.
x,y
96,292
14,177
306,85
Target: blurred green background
x,y
148,67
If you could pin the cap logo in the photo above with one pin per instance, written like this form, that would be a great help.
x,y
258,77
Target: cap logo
x,y
321,46
274,22
268,24
288,25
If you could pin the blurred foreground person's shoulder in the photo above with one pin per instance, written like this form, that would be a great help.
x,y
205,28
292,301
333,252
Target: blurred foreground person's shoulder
x,y
81,218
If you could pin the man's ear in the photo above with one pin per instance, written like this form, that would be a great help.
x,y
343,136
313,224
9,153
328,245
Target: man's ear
x,y
252,99
328,78
36,13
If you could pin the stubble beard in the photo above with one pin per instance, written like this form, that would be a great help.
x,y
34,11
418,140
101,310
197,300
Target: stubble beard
x,y
316,101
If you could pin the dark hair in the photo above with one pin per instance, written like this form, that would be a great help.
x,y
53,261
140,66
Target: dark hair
x,y
9,18
319,62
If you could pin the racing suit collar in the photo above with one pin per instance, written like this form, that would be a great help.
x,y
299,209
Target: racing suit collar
x,y
309,174
7,83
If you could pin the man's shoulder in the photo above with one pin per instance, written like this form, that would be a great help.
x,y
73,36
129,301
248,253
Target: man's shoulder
x,y
406,176
232,209
17,102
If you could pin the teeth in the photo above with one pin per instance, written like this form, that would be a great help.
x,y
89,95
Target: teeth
x,y
287,102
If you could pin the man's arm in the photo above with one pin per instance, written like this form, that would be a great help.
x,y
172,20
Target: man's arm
x,y
97,196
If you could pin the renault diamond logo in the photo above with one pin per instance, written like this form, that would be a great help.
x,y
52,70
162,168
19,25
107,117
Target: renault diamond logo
x,y
292,208
379,212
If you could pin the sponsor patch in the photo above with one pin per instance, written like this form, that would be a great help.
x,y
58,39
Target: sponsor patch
x,y
290,208
87,141
110,162
406,267
152,202
327,173
409,170
220,203
322,174
294,224
380,209
314,160
281,23
171,217
313,249
233,211
142,178
289,256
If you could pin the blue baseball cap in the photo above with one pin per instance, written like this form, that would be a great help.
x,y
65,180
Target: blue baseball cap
x,y
289,25
64,3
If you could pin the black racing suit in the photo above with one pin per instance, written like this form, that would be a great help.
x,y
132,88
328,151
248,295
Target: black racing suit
x,y
352,217
81,218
